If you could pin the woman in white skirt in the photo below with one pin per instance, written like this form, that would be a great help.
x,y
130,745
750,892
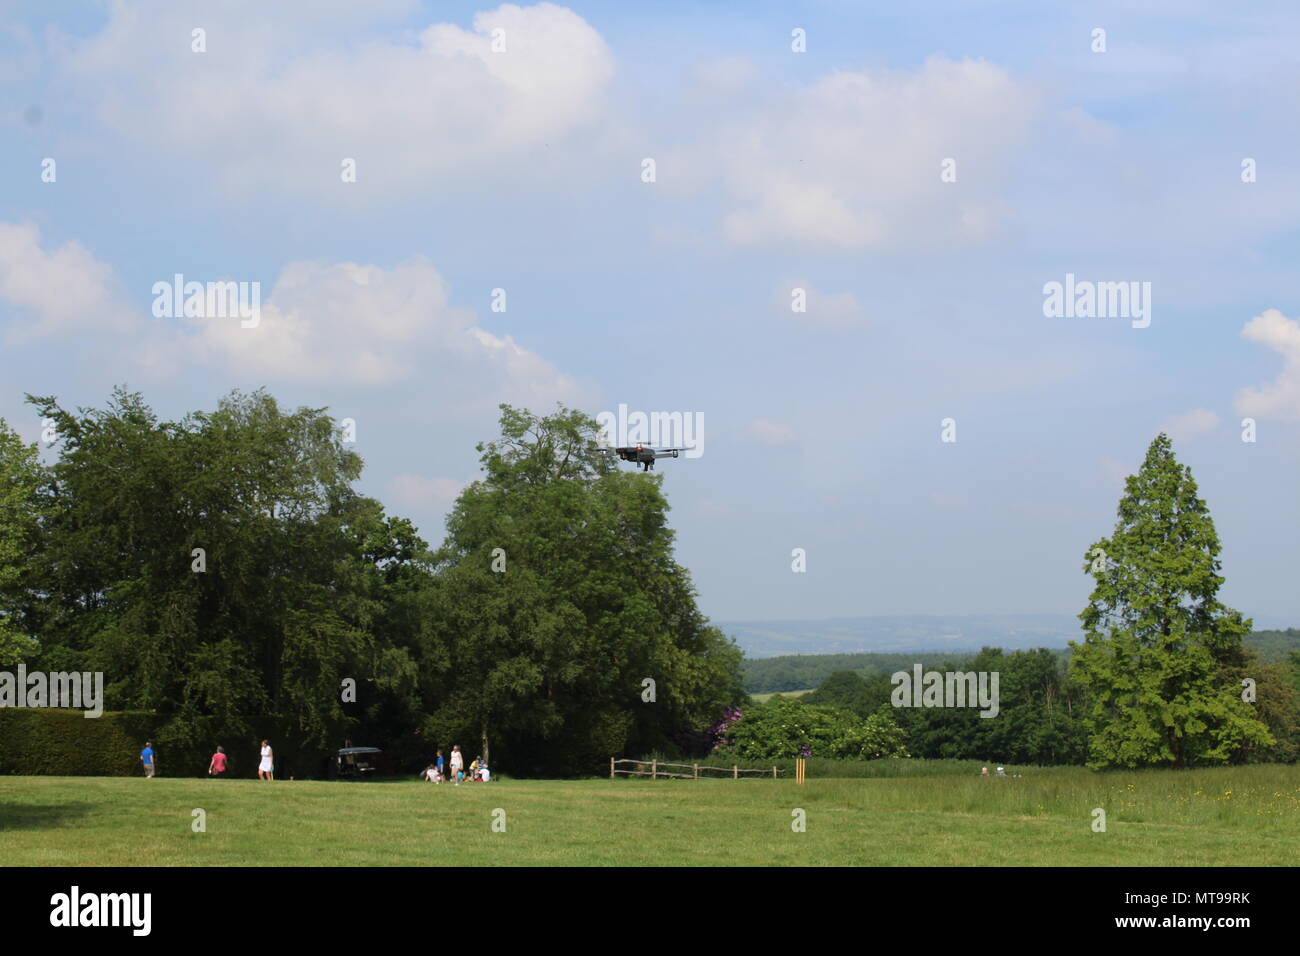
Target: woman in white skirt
x,y
265,770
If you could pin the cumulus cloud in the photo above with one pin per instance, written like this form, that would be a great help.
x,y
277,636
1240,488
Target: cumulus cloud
x,y
821,310
366,325
322,322
268,109
854,159
1280,398
1191,425
1086,128
771,433
717,82
55,293
339,321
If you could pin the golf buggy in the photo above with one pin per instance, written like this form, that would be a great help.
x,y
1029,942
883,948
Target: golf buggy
x,y
356,763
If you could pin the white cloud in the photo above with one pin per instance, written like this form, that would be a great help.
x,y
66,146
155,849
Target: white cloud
x,y
716,82
1191,425
340,322
854,159
267,108
771,433
838,310
366,325
60,293
1281,398
1086,128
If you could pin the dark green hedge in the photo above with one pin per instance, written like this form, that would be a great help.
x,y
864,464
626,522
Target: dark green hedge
x,y
60,742
63,742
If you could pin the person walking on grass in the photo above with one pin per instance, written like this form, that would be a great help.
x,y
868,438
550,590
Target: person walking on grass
x,y
217,765
266,769
147,758
457,763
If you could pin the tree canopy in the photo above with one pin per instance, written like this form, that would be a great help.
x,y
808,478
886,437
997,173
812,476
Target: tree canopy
x,y
20,480
222,567
558,582
1160,651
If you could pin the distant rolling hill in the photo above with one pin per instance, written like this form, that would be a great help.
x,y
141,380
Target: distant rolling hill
x,y
789,672
902,634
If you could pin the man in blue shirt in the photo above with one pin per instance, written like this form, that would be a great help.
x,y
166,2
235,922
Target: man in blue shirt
x,y
146,757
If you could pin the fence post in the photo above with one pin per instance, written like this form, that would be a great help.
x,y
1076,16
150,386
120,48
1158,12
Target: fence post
x,y
654,769
697,771
611,768
773,773
735,772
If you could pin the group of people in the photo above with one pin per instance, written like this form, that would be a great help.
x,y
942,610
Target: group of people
x,y
478,769
456,772
217,765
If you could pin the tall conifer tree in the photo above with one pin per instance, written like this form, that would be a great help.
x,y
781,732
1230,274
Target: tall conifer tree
x,y
1159,646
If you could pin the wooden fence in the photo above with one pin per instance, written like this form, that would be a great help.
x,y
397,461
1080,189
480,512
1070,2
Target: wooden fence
x,y
657,770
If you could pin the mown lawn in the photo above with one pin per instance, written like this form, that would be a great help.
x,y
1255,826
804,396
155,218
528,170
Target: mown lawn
x,y
764,698
1225,817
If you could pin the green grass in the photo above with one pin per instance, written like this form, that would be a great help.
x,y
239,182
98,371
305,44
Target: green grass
x,y
763,698
822,767
1222,817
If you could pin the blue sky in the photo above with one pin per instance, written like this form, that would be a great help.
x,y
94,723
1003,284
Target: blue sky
x,y
522,170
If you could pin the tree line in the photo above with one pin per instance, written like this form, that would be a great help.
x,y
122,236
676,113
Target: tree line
x,y
1162,676
222,567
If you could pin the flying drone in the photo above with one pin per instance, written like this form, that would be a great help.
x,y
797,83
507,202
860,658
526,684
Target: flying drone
x,y
644,455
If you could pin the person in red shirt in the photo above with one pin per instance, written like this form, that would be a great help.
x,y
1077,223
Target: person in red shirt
x,y
217,766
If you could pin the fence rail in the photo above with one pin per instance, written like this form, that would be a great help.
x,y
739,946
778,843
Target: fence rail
x,y
656,770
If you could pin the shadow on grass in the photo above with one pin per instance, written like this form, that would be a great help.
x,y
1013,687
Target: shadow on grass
x,y
39,816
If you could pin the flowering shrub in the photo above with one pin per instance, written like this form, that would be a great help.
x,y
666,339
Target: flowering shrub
x,y
785,728
711,738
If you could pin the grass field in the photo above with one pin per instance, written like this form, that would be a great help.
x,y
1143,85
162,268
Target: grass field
x,y
763,698
1225,817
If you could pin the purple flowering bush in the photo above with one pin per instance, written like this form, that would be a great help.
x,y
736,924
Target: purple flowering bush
x,y
716,737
